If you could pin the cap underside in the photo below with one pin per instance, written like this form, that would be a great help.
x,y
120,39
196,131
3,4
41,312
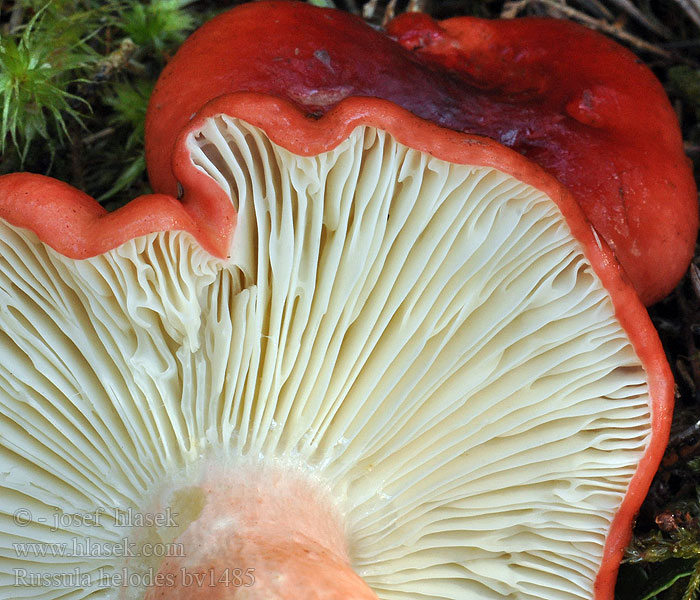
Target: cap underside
x,y
425,338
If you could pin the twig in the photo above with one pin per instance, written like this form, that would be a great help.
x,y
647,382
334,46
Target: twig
x,y
16,17
389,13
695,279
114,61
600,8
606,27
416,6
649,22
683,437
512,8
98,135
692,9
691,149
369,9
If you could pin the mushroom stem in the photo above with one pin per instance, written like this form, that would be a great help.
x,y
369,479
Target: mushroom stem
x,y
262,535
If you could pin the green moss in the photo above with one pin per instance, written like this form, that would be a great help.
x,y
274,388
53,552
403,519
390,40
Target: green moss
x,y
36,72
685,81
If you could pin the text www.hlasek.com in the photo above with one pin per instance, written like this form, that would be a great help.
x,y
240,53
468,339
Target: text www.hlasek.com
x,y
88,547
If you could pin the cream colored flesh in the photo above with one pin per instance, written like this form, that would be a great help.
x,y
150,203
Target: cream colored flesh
x,y
423,340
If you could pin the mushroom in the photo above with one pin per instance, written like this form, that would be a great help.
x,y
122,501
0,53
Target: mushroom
x,y
566,97
364,356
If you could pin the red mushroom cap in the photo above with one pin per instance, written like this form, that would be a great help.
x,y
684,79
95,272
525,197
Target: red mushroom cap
x,y
604,128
